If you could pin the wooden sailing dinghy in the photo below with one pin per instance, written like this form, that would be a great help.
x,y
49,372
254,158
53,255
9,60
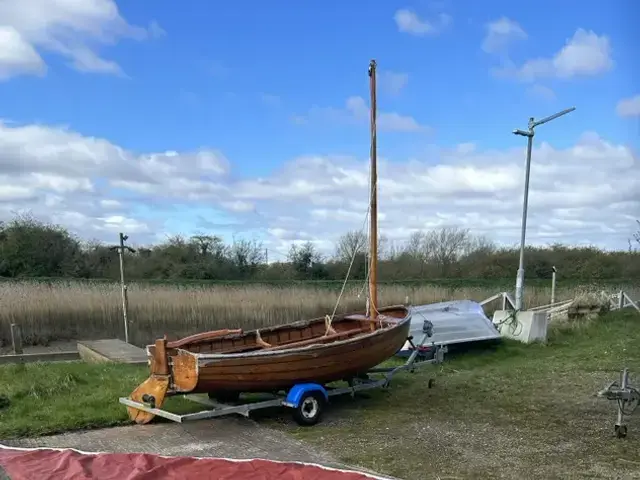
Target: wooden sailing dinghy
x,y
224,363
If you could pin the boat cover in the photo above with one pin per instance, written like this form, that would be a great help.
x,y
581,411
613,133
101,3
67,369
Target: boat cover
x,y
457,321
58,464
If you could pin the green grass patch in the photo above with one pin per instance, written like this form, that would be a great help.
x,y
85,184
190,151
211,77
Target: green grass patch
x,y
527,410
49,398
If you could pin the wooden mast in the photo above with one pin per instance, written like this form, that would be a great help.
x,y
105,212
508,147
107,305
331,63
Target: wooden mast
x,y
373,228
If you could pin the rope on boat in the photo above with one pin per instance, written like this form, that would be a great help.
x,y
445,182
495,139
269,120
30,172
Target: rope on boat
x,y
353,257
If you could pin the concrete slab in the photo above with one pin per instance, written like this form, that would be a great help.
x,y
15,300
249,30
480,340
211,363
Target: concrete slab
x,y
111,350
233,437
526,326
53,347
40,357
60,351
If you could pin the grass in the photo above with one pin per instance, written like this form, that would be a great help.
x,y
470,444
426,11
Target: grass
x,y
503,411
50,398
73,310
43,399
512,411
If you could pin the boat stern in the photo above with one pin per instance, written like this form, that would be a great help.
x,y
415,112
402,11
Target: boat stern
x,y
171,371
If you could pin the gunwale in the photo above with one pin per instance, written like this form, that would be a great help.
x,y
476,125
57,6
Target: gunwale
x,y
392,323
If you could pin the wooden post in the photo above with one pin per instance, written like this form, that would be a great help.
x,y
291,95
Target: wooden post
x,y
553,286
621,299
16,339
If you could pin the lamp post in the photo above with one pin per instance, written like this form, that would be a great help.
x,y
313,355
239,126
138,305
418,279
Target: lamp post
x,y
529,134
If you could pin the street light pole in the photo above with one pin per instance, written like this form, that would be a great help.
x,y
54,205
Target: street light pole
x,y
525,204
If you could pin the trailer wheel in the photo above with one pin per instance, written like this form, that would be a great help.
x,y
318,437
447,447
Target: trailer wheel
x,y
621,431
309,409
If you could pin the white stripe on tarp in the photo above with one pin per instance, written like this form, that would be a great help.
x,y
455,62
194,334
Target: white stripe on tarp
x,y
237,460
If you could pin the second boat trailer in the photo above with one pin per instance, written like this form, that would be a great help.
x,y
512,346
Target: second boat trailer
x,y
307,400
627,399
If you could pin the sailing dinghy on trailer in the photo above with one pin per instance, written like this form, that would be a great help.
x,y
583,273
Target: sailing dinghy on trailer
x,y
225,363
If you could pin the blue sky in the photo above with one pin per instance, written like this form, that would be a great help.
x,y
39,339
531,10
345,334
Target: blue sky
x,y
262,84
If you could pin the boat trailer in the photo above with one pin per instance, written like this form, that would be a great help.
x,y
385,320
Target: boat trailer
x,y
307,400
627,398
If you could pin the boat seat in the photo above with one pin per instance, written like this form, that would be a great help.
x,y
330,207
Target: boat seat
x,y
320,339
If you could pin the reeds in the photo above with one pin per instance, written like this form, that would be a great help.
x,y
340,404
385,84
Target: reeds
x,y
81,311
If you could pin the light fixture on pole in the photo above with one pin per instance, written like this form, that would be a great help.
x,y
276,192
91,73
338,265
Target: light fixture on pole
x,y
529,134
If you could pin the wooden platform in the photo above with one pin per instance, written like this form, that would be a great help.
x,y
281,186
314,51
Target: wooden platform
x,y
111,350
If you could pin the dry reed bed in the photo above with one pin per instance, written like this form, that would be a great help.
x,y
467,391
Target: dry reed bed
x,y
77,310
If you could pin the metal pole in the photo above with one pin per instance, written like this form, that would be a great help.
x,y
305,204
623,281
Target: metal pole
x,y
529,134
525,204
123,288
553,285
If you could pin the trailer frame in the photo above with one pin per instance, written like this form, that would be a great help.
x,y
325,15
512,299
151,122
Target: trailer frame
x,y
307,400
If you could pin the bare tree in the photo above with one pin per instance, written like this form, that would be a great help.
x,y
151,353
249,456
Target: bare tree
x,y
445,246
356,243
246,254
478,245
350,244
636,237
415,247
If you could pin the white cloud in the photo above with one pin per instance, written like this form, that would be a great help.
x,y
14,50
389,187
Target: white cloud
x,y
356,111
69,28
17,56
393,82
408,21
629,107
589,192
543,92
584,54
500,34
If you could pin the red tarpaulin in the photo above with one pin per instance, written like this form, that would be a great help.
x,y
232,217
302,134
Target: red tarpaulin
x,y
69,464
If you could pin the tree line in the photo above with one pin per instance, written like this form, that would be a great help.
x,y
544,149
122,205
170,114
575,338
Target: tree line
x,y
31,248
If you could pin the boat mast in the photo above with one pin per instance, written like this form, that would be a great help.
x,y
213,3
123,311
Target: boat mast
x,y
373,232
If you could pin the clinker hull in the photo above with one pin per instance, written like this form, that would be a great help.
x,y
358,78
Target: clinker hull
x,y
319,364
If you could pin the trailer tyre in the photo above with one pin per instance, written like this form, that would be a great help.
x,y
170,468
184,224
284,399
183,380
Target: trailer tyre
x,y
621,431
309,409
